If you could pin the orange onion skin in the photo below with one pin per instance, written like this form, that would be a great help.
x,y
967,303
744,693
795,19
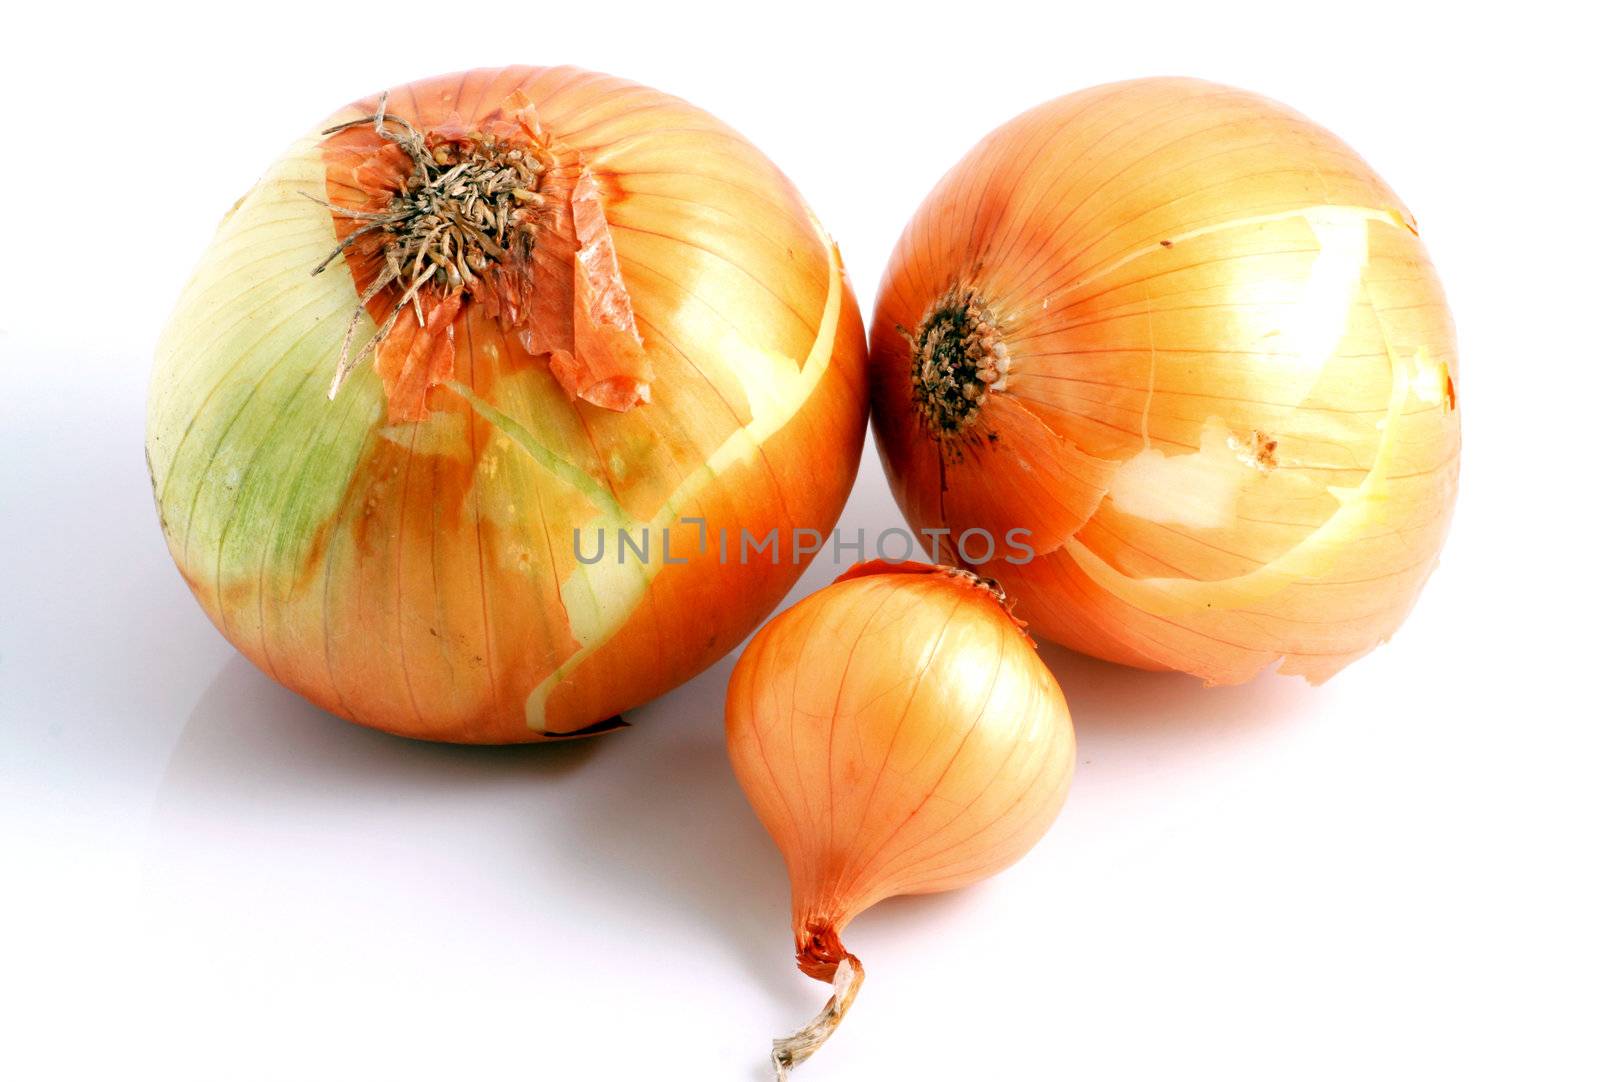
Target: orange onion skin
x,y
1229,420
896,733
432,589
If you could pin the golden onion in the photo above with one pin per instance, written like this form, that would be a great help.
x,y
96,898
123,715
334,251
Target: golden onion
x,y
896,733
1191,343
550,303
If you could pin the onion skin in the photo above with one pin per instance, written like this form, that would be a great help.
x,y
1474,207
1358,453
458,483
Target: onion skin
x,y
409,564
896,733
1229,418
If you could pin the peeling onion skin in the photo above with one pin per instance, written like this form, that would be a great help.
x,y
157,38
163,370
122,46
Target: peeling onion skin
x,y
409,563
1228,407
896,733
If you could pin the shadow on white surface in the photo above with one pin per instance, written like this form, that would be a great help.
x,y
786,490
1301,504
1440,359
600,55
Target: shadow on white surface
x,y
624,873
1169,710
249,735
277,821
665,837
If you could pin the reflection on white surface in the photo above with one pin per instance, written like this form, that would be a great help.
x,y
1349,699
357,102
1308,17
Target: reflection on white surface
x,y
272,812
208,877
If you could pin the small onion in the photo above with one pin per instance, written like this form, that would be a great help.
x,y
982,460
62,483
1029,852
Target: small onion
x,y
590,308
1191,343
896,733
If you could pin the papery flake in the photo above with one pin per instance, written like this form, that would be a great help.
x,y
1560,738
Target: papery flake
x,y
607,365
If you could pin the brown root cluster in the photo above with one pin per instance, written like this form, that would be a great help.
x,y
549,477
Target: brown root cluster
x,y
957,360
469,212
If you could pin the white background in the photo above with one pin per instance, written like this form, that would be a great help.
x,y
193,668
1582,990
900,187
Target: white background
x,y
202,877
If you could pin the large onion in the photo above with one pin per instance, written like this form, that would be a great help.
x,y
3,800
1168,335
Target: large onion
x,y
1193,343
647,326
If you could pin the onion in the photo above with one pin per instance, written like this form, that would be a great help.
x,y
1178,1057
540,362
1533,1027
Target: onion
x,y
896,733
1191,343
553,308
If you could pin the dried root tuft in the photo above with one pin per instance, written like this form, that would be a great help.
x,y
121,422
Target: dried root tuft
x,y
957,361
469,211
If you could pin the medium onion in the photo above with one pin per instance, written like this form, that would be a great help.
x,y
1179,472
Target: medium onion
x,y
896,733
548,303
1192,344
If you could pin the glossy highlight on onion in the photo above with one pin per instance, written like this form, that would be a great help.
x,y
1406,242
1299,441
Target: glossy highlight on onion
x,y
1193,344
461,322
896,733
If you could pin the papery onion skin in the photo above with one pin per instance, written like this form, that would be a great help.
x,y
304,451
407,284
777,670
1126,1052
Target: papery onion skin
x,y
1227,411
404,555
896,733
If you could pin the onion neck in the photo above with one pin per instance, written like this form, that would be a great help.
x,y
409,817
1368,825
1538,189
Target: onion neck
x,y
822,956
817,948
958,359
